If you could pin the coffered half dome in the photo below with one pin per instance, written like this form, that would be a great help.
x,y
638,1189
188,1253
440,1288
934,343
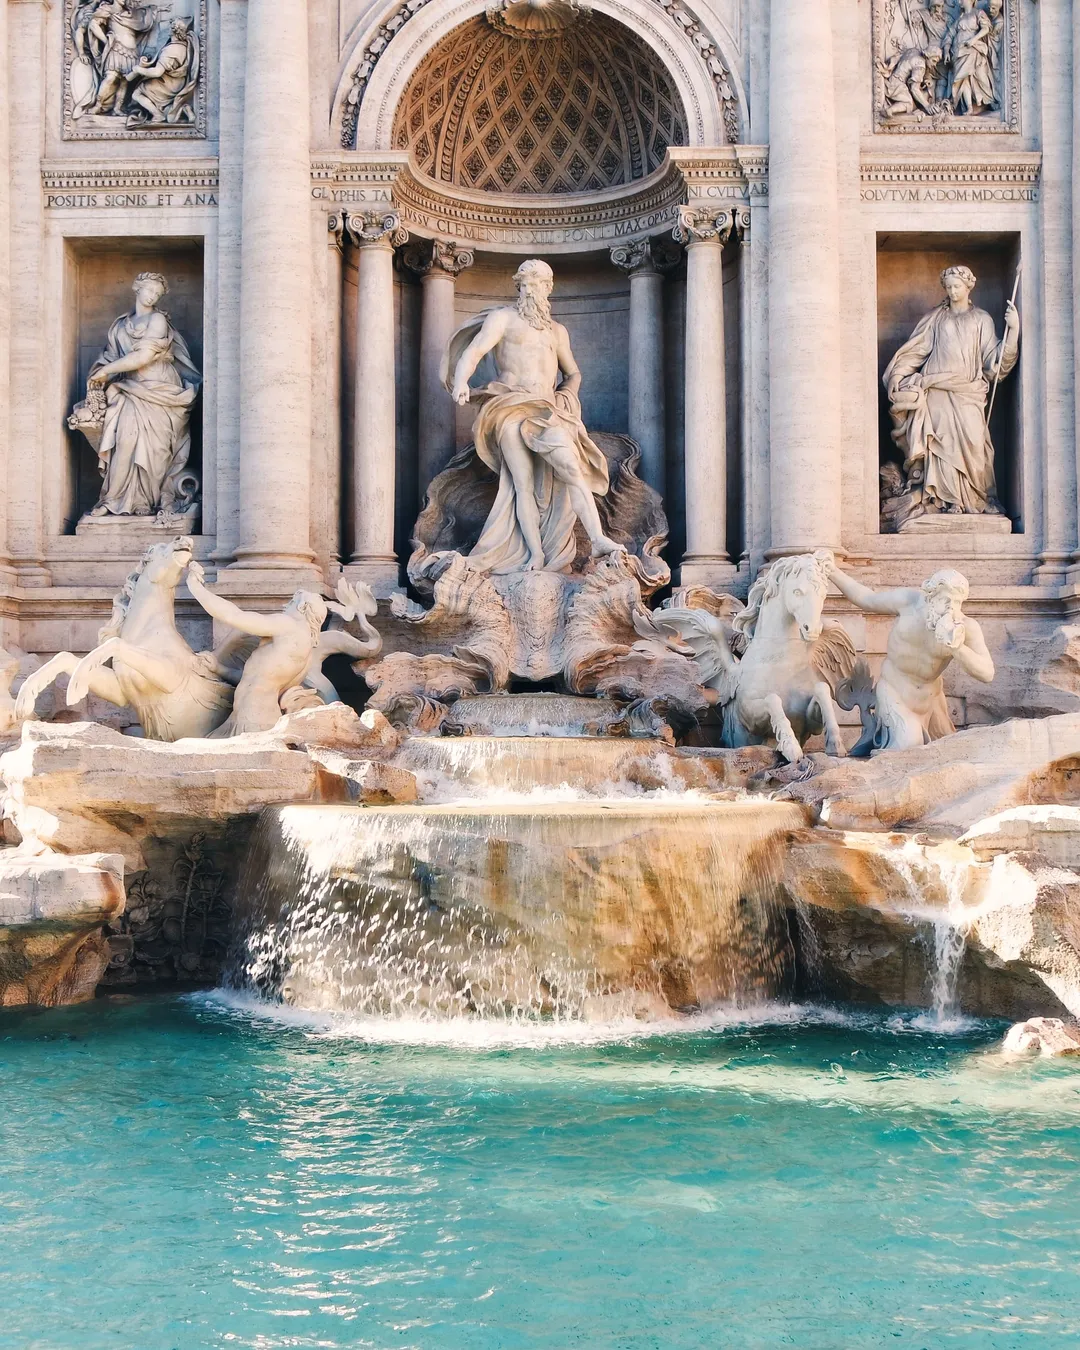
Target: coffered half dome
x,y
584,108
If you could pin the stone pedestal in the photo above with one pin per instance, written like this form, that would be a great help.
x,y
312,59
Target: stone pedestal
x,y
939,526
131,536
375,234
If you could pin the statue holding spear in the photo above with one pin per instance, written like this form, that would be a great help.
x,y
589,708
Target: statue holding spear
x,y
938,383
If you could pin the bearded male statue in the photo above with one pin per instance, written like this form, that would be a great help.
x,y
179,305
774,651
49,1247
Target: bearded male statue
x,y
529,431
930,633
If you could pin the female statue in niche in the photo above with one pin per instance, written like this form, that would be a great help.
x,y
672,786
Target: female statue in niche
x,y
970,51
137,412
938,384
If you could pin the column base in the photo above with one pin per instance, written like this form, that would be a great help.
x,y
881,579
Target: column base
x,y
1053,569
717,572
381,574
268,583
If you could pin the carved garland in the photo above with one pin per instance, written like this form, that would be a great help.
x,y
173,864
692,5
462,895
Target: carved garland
x,y
373,52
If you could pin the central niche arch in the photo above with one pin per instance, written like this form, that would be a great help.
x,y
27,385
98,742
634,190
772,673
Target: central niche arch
x,y
579,110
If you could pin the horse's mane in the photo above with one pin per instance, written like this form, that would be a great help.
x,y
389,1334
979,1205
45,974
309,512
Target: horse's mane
x,y
122,600
767,587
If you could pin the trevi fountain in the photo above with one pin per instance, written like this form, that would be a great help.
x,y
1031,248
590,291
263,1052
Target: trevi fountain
x,y
539,692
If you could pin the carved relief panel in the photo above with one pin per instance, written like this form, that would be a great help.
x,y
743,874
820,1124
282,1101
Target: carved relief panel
x,y
133,71
946,65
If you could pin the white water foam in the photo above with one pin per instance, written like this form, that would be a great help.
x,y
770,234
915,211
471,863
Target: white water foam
x,y
483,1034
949,928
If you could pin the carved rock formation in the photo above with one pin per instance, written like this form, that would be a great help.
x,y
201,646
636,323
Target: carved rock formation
x,y
176,819
53,909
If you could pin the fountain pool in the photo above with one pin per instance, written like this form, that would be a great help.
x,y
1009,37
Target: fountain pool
x,y
200,1171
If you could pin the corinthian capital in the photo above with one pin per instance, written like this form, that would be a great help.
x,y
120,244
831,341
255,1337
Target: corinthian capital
x,y
375,228
633,256
438,255
698,225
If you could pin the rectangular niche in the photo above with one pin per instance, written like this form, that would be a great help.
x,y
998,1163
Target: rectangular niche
x,y
909,268
99,275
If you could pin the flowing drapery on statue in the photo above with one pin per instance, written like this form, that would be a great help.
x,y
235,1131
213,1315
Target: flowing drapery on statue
x,y
529,431
149,383
938,383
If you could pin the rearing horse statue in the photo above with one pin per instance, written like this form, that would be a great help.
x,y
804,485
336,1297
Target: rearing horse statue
x,y
174,691
781,690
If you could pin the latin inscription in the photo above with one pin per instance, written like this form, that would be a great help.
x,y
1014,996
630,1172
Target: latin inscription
x,y
125,201
911,196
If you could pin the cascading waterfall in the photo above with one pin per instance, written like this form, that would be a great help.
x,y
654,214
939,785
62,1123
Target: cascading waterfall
x,y
492,907
948,925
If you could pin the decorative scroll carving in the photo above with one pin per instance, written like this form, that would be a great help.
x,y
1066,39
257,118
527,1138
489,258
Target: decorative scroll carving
x,y
535,18
946,65
581,110
375,227
438,255
645,255
698,224
706,48
714,64
133,71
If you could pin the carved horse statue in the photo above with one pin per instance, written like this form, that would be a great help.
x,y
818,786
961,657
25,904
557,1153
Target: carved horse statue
x,y
174,691
781,690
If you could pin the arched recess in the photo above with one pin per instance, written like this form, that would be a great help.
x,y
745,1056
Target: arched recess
x,y
699,67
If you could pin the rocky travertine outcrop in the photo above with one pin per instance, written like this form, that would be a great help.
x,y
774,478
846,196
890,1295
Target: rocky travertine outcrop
x,y
177,817
1044,1036
870,909
53,909
580,909
949,785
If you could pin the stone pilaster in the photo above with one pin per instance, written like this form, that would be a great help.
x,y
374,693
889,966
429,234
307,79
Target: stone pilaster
x,y
275,300
704,231
1058,441
438,263
1075,573
233,22
804,284
646,357
5,273
375,234
25,54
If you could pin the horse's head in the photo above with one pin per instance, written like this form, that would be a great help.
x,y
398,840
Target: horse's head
x,y
797,586
165,564
158,574
804,586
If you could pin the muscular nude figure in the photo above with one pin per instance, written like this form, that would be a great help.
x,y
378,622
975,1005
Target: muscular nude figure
x,y
931,631
529,431
292,650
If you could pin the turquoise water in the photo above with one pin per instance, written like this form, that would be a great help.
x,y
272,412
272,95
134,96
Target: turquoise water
x,y
184,1172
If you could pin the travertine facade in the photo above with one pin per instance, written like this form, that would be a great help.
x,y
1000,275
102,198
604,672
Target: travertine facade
x,y
748,205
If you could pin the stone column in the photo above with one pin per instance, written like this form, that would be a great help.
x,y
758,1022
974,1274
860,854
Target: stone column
x,y
751,486
1074,573
375,234
438,264
706,562
646,357
804,285
275,299
26,52
5,273
233,22
1057,89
